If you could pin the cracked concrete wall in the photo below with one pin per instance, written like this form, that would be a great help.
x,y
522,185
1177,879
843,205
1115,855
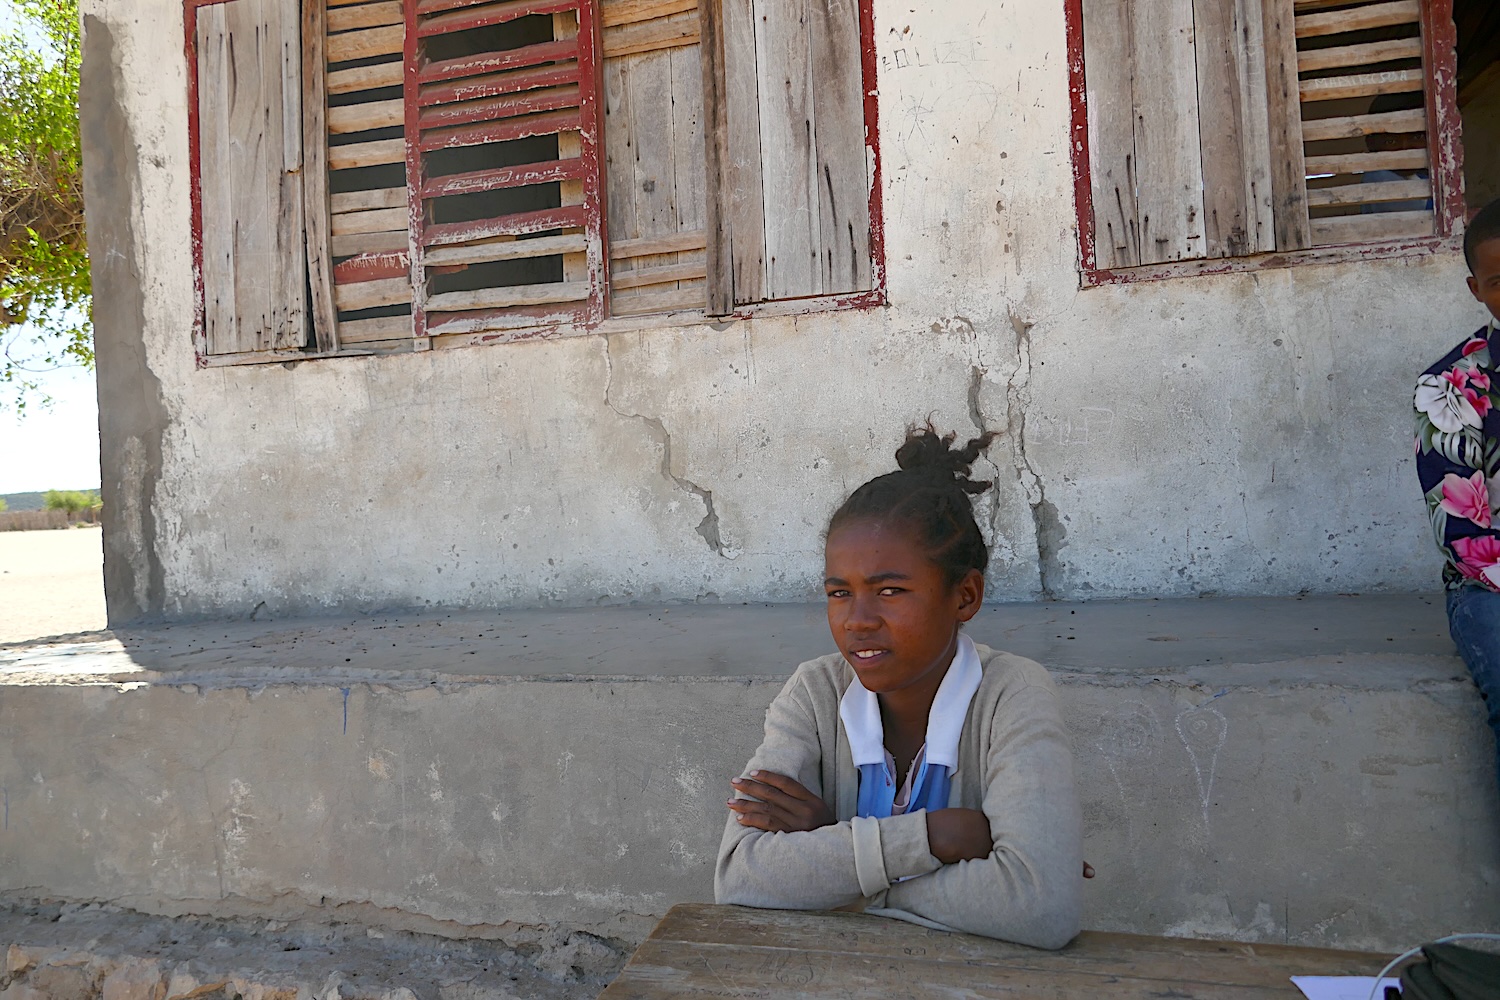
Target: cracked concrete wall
x,y
1243,433
1347,811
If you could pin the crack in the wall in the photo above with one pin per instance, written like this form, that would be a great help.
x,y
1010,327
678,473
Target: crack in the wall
x,y
708,528
1050,533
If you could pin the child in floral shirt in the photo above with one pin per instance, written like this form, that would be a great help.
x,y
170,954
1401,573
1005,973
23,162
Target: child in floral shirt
x,y
1458,461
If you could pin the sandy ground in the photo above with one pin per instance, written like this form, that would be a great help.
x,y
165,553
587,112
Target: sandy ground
x,y
51,583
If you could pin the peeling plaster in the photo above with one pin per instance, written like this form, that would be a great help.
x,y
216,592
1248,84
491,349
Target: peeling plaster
x,y
1050,533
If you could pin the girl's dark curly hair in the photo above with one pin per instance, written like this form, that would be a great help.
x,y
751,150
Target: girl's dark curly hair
x,y
931,494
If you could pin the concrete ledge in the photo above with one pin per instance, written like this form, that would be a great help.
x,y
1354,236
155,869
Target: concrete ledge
x,y
1311,771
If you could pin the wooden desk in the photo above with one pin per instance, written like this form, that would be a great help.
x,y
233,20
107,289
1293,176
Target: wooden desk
x,y
728,951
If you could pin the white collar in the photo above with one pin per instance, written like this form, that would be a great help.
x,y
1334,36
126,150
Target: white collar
x,y
860,711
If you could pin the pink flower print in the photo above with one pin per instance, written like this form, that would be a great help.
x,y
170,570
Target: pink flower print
x,y
1479,558
1446,399
1475,346
1467,498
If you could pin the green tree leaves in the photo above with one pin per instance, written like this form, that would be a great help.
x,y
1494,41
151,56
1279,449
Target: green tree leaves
x,y
44,267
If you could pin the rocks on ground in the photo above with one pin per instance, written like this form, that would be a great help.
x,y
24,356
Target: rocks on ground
x,y
94,952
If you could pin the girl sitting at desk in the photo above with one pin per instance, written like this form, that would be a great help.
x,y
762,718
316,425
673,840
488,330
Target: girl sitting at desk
x,y
914,773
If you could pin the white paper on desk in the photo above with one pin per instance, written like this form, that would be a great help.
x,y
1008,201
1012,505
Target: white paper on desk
x,y
1342,987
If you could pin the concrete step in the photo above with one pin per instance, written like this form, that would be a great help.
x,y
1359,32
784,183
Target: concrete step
x,y
1313,771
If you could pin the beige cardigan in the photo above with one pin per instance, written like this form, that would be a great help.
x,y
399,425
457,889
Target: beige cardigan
x,y
1014,763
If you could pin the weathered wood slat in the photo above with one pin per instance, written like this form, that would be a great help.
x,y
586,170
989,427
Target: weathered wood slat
x,y
1169,160
250,148
648,36
675,243
484,15
616,12
350,81
841,165
549,74
1311,60
510,249
366,243
377,220
366,15
689,178
362,201
1108,72
372,294
497,108
1372,228
1376,15
672,300
1284,125
1334,88
502,131
1358,163
657,275
349,118
1369,194
789,162
316,200
742,186
520,224
366,154
651,150
373,267
368,331
556,50
1234,131
507,296
503,177
366,43
1355,126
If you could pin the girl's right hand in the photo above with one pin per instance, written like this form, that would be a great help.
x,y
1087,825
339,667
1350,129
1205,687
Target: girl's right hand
x,y
785,806
955,835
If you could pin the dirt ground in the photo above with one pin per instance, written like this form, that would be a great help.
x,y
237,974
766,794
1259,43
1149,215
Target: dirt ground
x,y
51,583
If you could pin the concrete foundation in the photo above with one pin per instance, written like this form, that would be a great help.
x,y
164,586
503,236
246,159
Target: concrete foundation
x,y
1308,771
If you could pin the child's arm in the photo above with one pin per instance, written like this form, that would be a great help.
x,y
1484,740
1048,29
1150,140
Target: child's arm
x,y
813,869
1028,890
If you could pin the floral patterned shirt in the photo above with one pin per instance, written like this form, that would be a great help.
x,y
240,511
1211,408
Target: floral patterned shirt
x,y
1458,459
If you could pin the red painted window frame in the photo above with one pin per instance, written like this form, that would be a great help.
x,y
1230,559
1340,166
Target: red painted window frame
x,y
1445,153
597,306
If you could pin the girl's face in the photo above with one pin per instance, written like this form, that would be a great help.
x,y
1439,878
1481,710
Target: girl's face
x,y
890,608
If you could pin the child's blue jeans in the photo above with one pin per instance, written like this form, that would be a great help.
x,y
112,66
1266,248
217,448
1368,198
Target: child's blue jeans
x,y
1474,623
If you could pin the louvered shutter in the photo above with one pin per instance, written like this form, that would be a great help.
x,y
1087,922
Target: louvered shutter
x,y
653,155
249,170
1361,81
789,171
503,131
358,205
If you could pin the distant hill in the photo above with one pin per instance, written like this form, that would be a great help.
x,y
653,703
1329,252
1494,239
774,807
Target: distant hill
x,y
30,501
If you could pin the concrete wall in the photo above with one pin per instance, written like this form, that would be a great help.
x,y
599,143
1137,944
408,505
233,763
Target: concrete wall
x,y
1243,434
472,775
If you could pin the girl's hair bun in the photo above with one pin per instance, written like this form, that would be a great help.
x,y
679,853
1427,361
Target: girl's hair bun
x,y
931,455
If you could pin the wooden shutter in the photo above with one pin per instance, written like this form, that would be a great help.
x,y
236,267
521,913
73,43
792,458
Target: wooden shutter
x,y
358,211
503,133
789,172
1224,128
1178,129
1362,74
249,176
653,155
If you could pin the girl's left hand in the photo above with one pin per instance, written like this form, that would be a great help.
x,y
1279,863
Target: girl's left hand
x,y
785,806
